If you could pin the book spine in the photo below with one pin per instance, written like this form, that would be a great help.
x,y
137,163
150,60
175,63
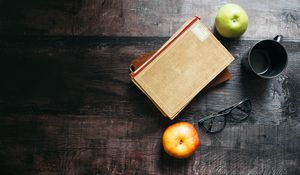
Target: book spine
x,y
135,73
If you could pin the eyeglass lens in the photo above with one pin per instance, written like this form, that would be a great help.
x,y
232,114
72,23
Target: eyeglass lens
x,y
215,124
241,111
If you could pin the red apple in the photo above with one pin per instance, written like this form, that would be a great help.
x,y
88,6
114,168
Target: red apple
x,y
180,140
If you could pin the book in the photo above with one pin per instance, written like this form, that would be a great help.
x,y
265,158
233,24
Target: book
x,y
182,67
221,78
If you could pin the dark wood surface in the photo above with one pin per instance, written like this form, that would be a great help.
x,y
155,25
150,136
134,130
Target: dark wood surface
x,y
67,105
140,17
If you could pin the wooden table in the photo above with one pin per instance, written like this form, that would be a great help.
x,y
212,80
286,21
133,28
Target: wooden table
x,y
67,105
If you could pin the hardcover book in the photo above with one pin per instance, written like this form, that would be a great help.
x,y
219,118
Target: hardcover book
x,y
140,60
182,67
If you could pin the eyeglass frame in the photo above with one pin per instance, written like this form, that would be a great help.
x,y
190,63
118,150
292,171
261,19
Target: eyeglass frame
x,y
221,113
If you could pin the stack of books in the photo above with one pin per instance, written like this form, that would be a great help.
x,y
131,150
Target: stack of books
x,y
174,74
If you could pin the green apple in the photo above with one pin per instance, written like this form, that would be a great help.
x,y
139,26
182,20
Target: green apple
x,y
231,21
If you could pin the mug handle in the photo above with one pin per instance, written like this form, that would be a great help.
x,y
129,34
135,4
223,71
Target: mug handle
x,y
278,38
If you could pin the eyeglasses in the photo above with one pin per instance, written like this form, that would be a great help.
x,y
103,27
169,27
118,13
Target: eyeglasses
x,y
238,112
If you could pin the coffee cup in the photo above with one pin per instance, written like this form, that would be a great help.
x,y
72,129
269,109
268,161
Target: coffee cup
x,y
267,58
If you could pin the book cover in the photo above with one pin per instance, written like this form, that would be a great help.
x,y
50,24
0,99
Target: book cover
x,y
182,67
219,79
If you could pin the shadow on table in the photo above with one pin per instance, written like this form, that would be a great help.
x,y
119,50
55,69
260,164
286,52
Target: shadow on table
x,y
167,163
144,107
253,86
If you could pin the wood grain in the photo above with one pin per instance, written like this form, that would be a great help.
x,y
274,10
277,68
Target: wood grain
x,y
140,17
62,144
67,106
89,75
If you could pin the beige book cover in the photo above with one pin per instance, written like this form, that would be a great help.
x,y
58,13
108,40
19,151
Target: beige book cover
x,y
182,67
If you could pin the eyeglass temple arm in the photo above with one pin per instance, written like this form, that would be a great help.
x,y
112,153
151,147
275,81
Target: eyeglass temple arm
x,y
235,105
209,117
220,113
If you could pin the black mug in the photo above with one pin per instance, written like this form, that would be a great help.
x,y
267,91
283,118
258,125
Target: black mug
x,y
267,58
